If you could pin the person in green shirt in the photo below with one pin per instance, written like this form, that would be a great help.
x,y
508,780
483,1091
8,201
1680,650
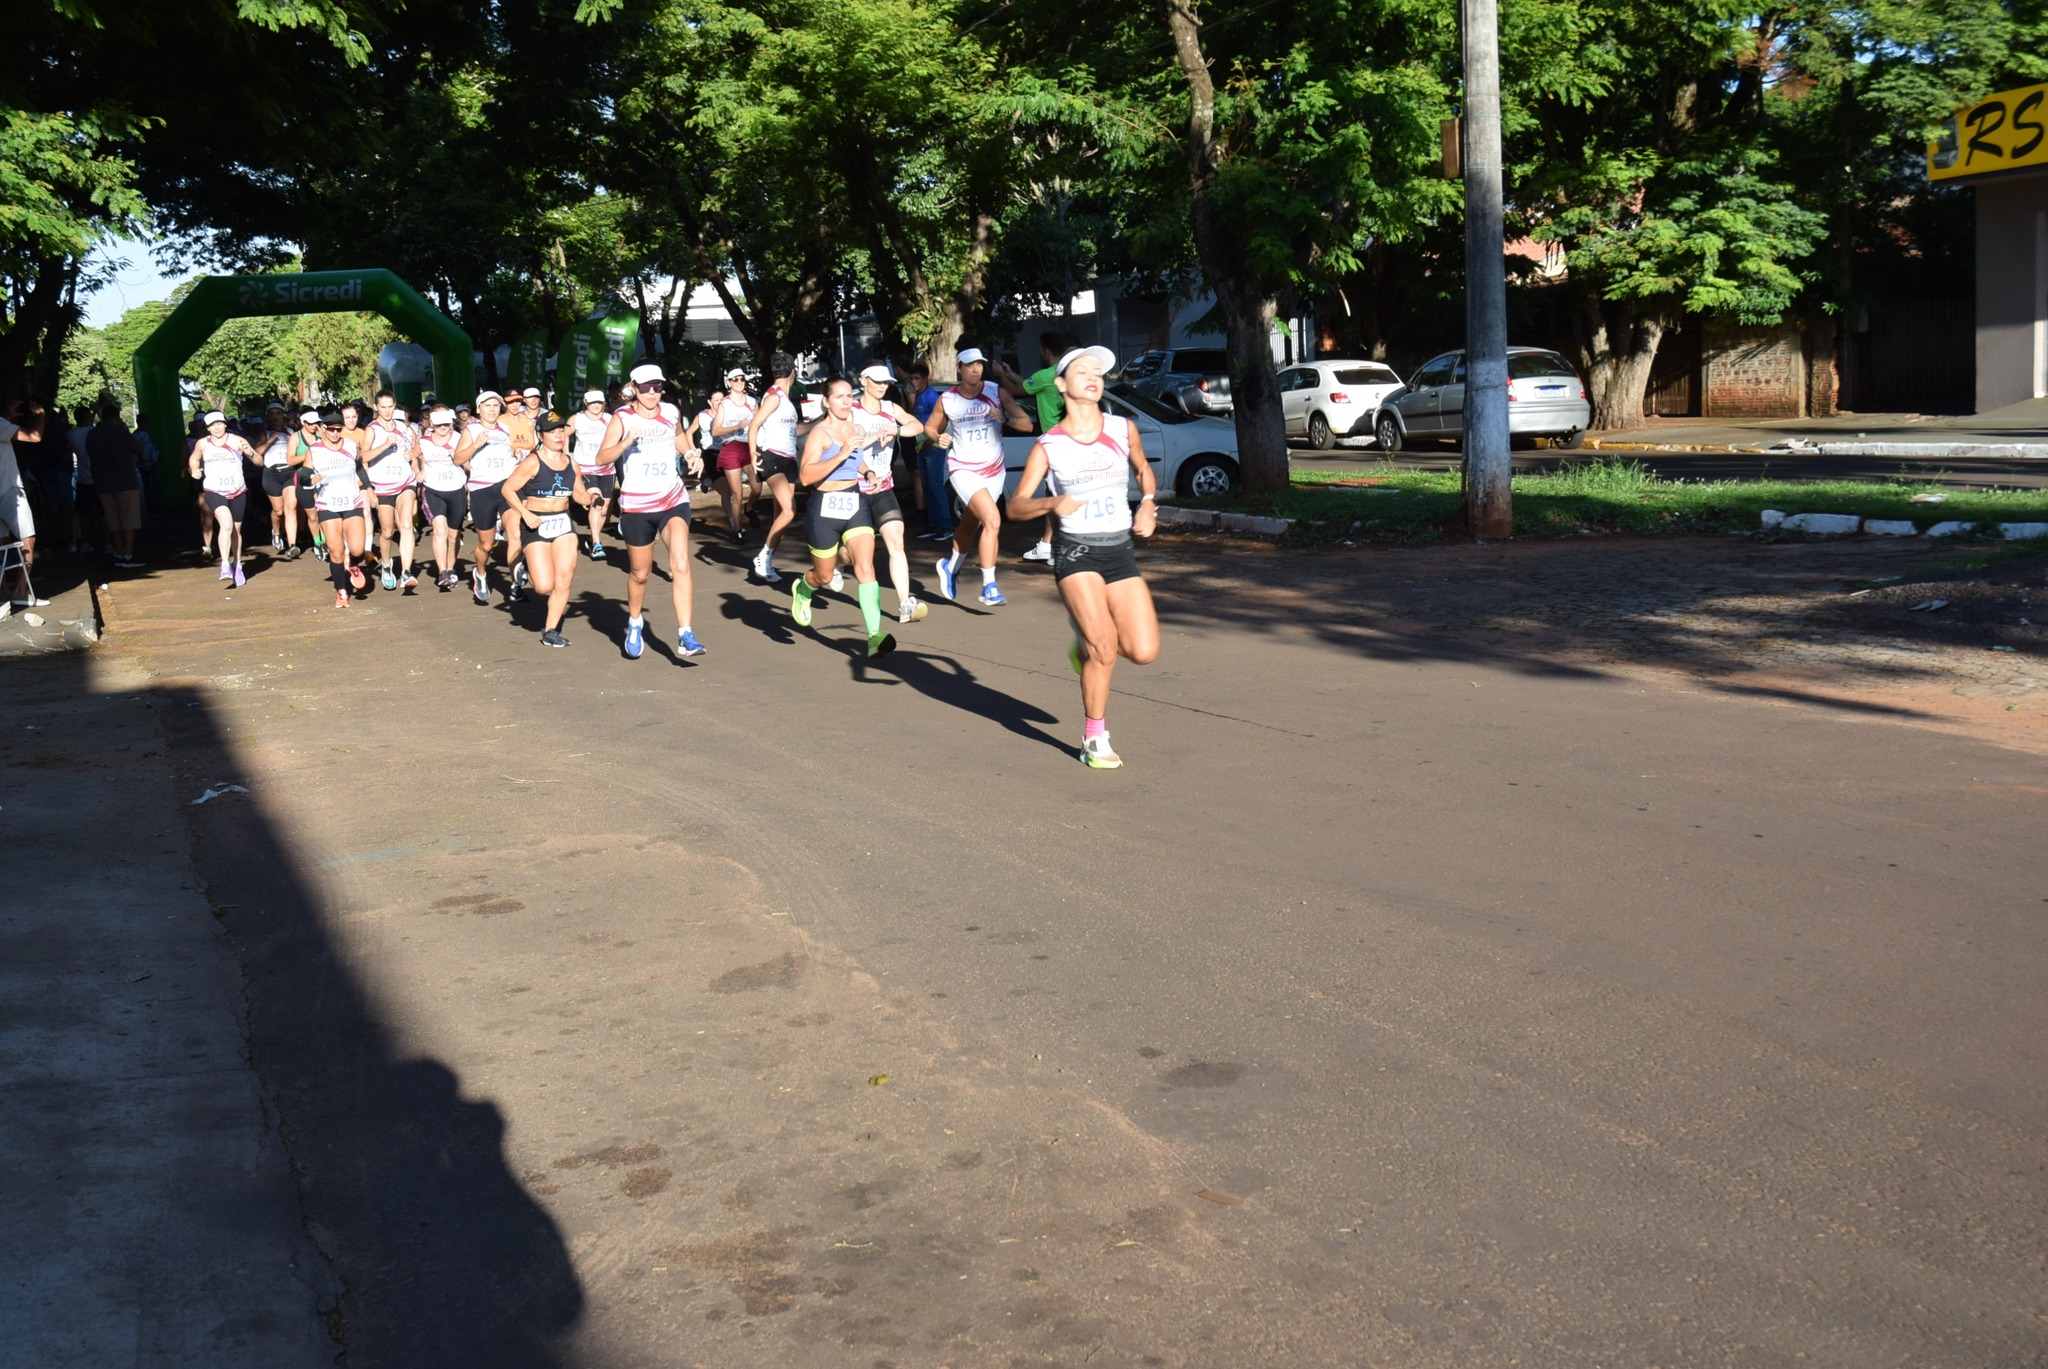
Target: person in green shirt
x,y
1051,408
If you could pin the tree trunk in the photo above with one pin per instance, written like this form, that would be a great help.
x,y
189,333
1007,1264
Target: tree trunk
x,y
1249,306
38,330
1617,347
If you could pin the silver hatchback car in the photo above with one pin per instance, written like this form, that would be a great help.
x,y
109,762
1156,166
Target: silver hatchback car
x,y
1546,398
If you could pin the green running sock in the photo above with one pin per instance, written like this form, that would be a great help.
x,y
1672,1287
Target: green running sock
x,y
871,607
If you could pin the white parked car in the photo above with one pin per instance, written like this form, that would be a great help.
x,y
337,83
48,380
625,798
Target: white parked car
x,y
1546,398
1325,400
1188,455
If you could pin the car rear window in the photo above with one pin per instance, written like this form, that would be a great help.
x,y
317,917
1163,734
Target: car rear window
x,y
1367,375
1531,365
1206,359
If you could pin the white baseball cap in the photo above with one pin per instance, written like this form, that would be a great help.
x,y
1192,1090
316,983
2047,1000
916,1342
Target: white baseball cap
x,y
398,412
213,416
736,373
649,371
878,372
441,416
490,394
971,354
593,396
532,392
1103,357
310,416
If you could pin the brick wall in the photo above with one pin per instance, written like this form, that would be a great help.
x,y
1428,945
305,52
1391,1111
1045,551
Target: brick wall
x,y
1753,372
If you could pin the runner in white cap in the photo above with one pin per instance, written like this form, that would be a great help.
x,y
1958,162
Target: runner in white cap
x,y
299,493
1090,457
447,493
883,422
486,453
392,465
645,439
216,463
968,423
731,414
337,472
587,431
772,449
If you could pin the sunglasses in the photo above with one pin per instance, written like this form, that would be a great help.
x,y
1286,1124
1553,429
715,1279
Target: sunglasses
x,y
330,427
650,384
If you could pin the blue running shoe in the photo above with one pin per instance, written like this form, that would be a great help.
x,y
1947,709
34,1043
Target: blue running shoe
x,y
634,641
687,645
948,581
992,596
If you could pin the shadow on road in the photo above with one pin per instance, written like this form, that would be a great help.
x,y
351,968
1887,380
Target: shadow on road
x,y
446,1259
947,681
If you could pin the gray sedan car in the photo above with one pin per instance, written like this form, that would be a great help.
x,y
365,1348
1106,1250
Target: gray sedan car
x,y
1546,398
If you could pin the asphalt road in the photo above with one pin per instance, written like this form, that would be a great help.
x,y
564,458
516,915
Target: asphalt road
x,y
1410,999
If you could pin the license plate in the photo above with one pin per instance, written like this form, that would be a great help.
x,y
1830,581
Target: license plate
x,y
1551,389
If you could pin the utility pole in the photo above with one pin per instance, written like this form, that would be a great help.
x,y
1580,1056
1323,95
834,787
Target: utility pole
x,y
1489,468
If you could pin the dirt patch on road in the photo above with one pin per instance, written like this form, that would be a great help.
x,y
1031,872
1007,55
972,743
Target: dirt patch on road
x,y
1840,625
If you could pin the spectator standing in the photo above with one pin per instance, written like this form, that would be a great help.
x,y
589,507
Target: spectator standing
x,y
112,451
145,461
17,521
931,461
85,518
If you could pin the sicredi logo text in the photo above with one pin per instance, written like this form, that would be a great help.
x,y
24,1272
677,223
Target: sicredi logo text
x,y
290,290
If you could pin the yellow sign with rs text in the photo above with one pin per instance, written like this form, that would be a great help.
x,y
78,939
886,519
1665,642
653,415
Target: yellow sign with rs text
x,y
2001,132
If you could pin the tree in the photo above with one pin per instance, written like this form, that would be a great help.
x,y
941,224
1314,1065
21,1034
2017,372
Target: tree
x,y
84,376
1637,141
1307,133
246,358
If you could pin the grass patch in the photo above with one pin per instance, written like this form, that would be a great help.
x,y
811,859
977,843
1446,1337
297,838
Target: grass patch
x,y
1605,496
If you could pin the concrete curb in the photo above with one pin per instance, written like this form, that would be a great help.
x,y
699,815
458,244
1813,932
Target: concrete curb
x,y
1247,524
1923,451
1846,524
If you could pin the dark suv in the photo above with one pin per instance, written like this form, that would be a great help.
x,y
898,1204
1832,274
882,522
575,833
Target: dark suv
x,y
1194,379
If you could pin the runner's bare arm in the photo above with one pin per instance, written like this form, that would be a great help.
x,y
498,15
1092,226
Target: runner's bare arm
x,y
528,467
1145,521
1026,506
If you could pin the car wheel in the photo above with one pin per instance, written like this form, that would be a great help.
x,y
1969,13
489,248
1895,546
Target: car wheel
x,y
1387,432
1319,433
1569,442
1206,474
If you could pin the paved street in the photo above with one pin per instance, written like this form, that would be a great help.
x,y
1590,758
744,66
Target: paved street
x,y
1551,954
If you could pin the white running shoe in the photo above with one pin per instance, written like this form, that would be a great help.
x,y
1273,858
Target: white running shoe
x,y
911,610
838,580
1041,552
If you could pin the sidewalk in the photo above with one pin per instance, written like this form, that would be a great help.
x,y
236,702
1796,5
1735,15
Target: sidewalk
x,y
152,1216
2018,431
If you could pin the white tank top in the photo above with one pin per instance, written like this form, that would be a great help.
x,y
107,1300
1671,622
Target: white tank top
x,y
220,468
491,463
878,441
731,410
648,477
586,439
277,450
1098,472
335,470
778,430
438,468
392,470
977,428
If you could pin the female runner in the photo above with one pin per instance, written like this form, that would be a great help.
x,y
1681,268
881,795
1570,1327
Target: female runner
x,y
839,517
487,454
730,416
644,439
216,462
394,479
442,471
1090,456
274,453
340,489
538,493
586,431
771,445
968,422
883,423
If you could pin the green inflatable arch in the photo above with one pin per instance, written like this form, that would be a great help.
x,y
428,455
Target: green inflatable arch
x,y
216,299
